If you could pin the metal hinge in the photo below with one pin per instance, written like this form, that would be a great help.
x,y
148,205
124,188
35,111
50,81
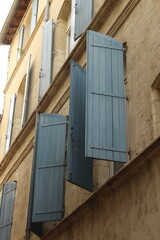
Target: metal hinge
x,y
75,6
109,47
108,94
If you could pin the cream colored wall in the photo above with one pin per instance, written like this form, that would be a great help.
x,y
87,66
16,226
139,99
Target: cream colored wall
x,y
141,33
136,31
15,84
22,177
26,20
96,6
18,109
126,208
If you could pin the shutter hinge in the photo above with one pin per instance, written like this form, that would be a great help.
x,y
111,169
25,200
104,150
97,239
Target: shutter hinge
x,y
39,98
129,152
70,176
109,149
40,74
75,6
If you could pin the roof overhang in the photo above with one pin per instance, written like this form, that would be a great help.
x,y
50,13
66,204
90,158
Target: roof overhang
x,y
13,20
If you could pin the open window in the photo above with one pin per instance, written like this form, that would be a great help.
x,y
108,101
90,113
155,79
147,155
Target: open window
x,y
47,187
10,122
6,210
18,109
97,116
20,42
34,15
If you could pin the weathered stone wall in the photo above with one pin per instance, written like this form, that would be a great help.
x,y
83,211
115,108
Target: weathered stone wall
x,y
126,207
137,23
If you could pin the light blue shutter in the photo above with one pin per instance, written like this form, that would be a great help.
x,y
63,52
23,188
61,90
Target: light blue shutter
x,y
47,57
48,195
105,101
6,211
20,43
79,168
83,16
25,101
34,15
10,122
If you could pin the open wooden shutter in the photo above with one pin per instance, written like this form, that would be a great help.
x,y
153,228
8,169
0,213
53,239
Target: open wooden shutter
x,y
25,101
10,122
48,193
83,16
34,15
6,210
79,168
105,101
47,58
20,43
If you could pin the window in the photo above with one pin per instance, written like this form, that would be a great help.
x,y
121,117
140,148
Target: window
x,y
26,91
82,12
80,168
97,116
68,42
20,43
47,57
6,210
34,15
10,122
105,101
48,176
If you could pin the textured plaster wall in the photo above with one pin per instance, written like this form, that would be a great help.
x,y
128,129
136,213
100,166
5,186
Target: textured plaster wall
x,y
21,198
129,211
141,32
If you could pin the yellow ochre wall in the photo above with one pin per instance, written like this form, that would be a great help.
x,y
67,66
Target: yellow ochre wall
x,y
134,22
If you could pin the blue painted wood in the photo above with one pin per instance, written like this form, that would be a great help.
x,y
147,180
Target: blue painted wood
x,y
48,194
6,210
34,15
20,42
10,122
47,58
26,92
83,16
79,168
105,101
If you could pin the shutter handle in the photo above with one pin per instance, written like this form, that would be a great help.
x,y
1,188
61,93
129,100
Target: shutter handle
x,y
75,6
72,134
40,73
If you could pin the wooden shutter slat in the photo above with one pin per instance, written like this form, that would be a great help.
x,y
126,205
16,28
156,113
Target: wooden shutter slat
x,y
20,43
25,101
105,111
48,194
34,15
83,15
79,168
6,210
10,122
47,58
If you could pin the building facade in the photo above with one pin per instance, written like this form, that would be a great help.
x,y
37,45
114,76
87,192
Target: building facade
x,y
80,126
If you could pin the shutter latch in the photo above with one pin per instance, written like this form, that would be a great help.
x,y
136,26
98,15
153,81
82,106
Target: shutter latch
x,y
75,6
40,73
